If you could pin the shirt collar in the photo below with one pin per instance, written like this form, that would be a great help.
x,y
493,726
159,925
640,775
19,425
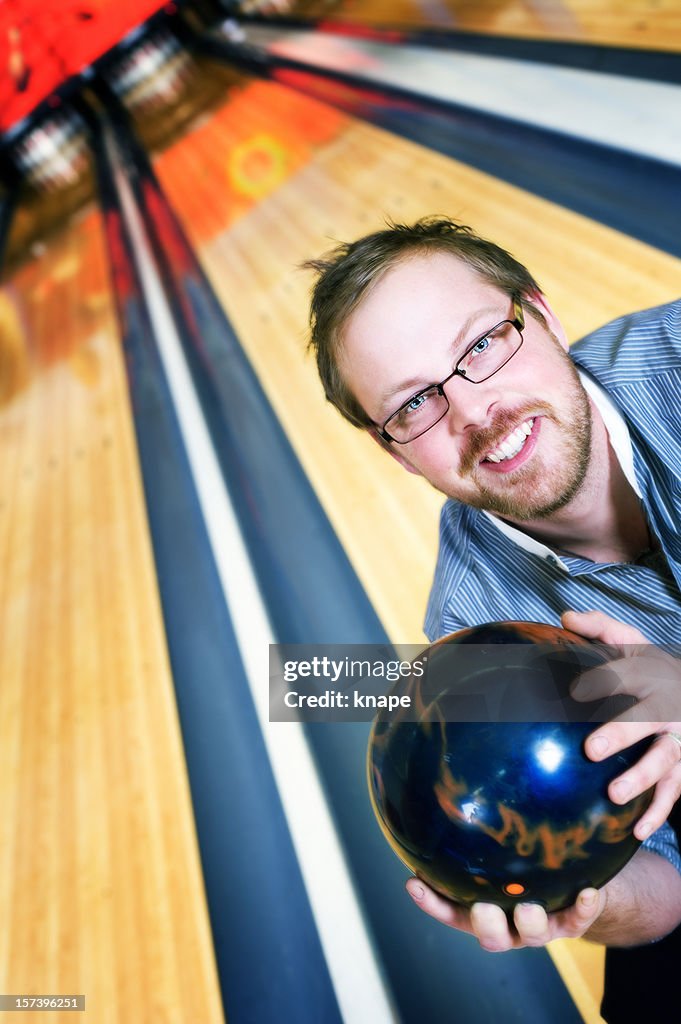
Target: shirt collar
x,y
618,432
616,426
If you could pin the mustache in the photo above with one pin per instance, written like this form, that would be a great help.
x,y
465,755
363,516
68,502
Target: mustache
x,y
487,438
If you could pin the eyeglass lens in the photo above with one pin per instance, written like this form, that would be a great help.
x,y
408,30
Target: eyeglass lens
x,y
481,361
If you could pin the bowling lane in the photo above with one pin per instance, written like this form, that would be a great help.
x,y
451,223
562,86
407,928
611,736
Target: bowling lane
x,y
617,109
271,321
259,205
650,24
101,891
275,179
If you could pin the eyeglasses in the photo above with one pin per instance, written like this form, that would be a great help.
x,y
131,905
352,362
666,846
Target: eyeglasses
x,y
479,362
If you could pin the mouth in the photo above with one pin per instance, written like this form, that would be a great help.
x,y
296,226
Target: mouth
x,y
515,448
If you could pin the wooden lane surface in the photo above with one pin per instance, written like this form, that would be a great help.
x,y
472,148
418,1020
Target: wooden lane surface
x,y
386,518
648,24
101,890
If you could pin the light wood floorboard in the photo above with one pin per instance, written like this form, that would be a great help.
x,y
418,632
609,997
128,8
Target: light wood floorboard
x,y
101,890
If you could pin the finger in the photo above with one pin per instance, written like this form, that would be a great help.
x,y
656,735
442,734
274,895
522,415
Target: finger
x,y
532,924
648,676
659,761
491,928
667,793
443,910
578,918
602,681
599,626
617,735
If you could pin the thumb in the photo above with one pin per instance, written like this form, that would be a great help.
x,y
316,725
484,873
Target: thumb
x,y
599,626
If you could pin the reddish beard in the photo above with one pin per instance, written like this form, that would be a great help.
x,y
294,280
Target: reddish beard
x,y
553,488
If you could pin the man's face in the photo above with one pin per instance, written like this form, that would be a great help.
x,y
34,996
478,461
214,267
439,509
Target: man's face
x,y
519,443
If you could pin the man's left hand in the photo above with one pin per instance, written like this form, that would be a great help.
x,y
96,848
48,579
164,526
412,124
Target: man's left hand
x,y
653,677
497,933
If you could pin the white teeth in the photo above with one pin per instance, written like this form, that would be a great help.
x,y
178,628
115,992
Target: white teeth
x,y
512,444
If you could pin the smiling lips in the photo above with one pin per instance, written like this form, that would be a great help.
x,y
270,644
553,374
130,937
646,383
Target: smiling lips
x,y
512,444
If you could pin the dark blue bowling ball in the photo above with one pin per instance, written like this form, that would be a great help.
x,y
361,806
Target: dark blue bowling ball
x,y
482,786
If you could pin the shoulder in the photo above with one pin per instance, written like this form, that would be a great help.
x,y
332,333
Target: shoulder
x,y
456,527
633,348
453,562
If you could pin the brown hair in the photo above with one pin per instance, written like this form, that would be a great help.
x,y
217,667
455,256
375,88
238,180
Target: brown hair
x,y
347,272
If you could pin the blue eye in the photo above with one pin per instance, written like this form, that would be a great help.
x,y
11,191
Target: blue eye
x,y
480,346
416,403
414,406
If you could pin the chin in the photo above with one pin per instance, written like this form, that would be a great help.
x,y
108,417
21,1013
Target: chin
x,y
544,502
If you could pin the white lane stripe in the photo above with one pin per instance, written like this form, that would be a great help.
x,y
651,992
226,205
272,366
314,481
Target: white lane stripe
x,y
352,963
632,114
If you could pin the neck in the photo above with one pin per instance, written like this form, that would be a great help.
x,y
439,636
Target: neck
x,y
604,521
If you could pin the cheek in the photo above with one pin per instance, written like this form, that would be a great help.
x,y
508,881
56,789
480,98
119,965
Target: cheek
x,y
436,455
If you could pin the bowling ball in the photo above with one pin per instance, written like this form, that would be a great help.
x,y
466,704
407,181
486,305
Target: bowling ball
x,y
502,807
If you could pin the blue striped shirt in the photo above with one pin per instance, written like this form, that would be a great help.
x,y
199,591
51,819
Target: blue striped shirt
x,y
487,571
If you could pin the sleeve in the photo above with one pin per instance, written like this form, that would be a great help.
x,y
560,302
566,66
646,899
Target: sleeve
x,y
664,843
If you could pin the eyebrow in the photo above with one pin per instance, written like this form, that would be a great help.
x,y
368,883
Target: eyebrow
x,y
415,384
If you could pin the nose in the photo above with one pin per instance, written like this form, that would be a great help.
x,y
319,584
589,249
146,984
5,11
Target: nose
x,y
471,406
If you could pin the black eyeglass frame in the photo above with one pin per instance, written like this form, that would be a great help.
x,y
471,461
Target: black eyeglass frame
x,y
518,323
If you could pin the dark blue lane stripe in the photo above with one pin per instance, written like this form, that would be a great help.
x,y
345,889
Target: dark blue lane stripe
x,y
270,961
633,194
314,596
268,487
657,65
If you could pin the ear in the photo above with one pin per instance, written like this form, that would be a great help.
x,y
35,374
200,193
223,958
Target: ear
x,y
539,301
392,450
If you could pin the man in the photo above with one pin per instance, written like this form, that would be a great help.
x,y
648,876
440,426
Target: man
x,y
563,478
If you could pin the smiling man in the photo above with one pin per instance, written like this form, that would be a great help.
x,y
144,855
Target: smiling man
x,y
562,473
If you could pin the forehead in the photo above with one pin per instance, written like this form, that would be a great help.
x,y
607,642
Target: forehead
x,y
406,324
415,293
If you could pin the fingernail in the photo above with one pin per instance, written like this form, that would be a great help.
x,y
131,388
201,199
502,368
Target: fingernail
x,y
598,744
643,829
589,898
417,892
582,690
621,790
